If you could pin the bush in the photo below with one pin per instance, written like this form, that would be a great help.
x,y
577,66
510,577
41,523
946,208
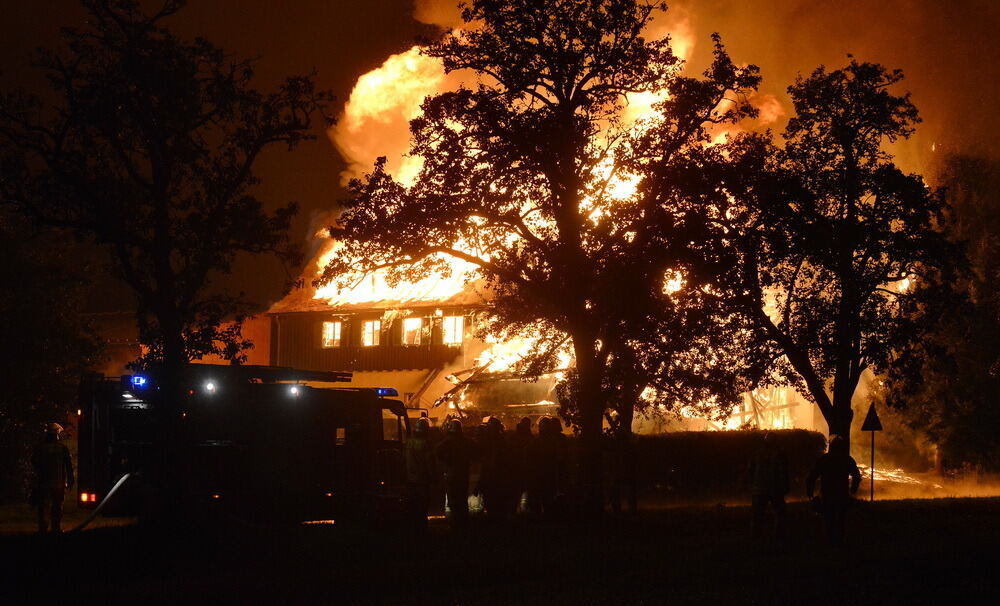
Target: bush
x,y
699,465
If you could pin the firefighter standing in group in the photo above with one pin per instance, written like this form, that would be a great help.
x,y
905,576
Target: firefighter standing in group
x,y
497,480
456,453
550,477
53,468
768,486
419,472
839,478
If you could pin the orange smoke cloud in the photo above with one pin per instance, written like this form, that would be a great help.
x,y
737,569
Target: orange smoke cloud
x,y
770,109
676,23
444,13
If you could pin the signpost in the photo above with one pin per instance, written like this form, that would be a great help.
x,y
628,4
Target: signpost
x,y
872,424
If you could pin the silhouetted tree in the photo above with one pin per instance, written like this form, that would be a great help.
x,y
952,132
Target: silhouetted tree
x,y
947,377
575,216
832,233
150,150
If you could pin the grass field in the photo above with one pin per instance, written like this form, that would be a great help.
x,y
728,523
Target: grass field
x,y
898,552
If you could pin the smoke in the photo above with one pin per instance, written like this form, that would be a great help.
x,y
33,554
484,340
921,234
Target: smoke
x,y
946,50
443,13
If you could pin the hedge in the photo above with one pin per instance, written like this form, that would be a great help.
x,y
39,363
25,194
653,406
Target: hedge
x,y
700,465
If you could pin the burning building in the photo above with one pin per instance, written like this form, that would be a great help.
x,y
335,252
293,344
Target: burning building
x,y
419,338
425,338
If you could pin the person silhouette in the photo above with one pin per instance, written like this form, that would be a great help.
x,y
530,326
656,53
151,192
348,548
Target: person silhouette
x,y
419,472
839,478
768,486
53,469
456,453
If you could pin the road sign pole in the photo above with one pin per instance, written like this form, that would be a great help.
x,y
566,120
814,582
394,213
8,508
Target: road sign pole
x,y
871,470
872,424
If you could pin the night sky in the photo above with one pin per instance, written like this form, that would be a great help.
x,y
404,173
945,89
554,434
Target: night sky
x,y
948,51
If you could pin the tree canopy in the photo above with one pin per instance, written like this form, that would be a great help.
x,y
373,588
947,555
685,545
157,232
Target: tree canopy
x,y
534,175
149,150
832,234
945,379
50,343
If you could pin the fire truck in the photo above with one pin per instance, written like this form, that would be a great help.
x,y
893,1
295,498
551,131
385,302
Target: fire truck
x,y
254,442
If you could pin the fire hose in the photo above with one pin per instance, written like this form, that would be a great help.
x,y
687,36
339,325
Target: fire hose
x,y
100,505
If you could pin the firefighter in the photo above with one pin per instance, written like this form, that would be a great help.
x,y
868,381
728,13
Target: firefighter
x,y
549,455
497,483
456,454
622,462
419,472
768,472
53,477
520,469
839,478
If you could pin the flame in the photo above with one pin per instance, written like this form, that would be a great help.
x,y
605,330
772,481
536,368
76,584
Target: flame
x,y
770,109
673,282
502,354
373,286
375,122
376,118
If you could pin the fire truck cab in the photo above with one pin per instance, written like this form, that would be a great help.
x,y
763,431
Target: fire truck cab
x,y
272,443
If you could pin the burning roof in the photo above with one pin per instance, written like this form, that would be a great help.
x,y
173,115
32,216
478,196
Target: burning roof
x,y
372,291
422,294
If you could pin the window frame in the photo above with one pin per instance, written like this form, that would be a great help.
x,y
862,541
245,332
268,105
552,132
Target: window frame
x,y
458,331
373,329
337,334
416,332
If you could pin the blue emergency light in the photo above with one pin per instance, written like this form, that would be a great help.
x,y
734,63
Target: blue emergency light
x,y
384,392
139,381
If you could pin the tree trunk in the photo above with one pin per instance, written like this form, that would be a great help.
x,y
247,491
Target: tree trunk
x,y
591,403
166,476
842,414
626,413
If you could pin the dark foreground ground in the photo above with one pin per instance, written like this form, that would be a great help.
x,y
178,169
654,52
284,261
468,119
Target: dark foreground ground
x,y
899,552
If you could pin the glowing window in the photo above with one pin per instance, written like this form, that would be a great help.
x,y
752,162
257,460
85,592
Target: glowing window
x,y
331,334
452,329
411,331
371,333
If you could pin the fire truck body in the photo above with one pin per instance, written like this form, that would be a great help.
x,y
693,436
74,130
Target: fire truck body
x,y
248,441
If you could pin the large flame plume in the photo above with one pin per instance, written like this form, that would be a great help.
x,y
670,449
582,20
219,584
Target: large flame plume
x,y
375,123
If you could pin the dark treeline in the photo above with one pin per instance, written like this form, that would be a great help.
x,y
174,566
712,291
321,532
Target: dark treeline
x,y
145,150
